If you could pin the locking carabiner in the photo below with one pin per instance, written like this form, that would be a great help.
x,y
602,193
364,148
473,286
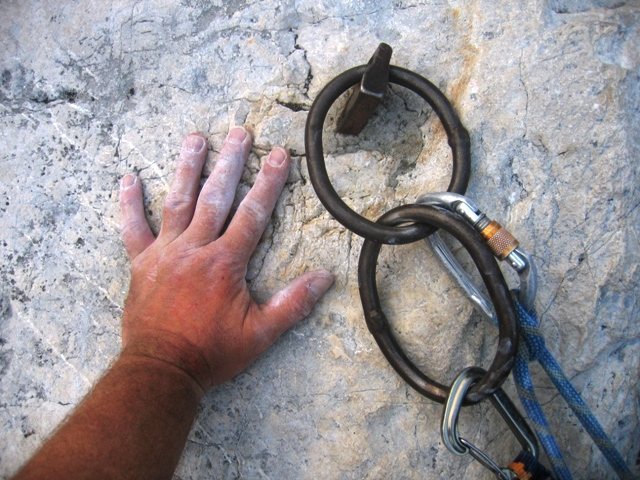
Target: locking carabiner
x,y
526,464
503,245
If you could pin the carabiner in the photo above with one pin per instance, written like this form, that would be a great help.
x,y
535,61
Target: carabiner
x,y
460,446
503,245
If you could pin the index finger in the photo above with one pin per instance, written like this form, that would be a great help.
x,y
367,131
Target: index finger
x,y
255,210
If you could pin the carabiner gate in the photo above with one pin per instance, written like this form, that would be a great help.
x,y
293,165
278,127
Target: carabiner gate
x,y
503,245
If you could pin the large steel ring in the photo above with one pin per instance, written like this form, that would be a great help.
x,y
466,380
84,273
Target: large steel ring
x,y
492,277
458,139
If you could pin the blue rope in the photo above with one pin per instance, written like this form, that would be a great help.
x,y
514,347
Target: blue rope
x,y
537,350
532,406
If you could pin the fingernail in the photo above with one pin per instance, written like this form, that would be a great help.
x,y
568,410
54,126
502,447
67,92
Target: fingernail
x,y
194,143
277,157
321,282
128,181
236,135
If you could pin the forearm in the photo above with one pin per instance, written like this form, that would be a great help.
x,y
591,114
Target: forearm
x,y
133,424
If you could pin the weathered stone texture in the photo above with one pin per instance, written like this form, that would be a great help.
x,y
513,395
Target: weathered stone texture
x,y
550,93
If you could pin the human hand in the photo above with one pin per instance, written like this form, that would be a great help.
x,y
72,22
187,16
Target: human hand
x,y
188,303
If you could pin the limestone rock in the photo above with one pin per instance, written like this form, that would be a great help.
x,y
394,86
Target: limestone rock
x,y
550,93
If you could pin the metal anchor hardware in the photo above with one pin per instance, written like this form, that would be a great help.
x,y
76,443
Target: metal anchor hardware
x,y
409,223
366,96
379,326
507,410
369,83
484,239
503,245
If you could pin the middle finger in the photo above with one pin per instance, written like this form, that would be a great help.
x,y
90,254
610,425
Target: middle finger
x,y
217,194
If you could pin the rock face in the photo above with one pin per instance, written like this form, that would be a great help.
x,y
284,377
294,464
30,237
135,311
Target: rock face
x,y
550,93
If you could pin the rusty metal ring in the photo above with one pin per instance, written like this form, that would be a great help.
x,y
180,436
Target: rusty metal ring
x,y
492,277
458,139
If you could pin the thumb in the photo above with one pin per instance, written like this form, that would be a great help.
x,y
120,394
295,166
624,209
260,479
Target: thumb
x,y
291,304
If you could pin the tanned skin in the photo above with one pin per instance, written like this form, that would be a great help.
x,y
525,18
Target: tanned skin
x,y
189,321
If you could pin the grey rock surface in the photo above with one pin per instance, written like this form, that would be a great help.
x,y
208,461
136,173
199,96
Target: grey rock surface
x,y
550,93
